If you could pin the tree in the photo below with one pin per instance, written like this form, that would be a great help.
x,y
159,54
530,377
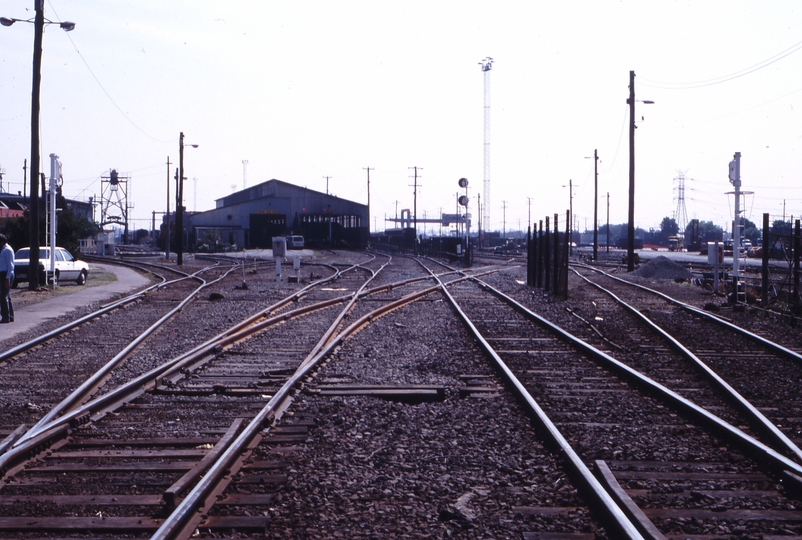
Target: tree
x,y
706,228
780,227
668,228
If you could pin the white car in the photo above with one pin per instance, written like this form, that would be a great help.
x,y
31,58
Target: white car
x,y
67,267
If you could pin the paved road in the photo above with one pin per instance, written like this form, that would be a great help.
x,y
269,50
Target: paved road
x,y
28,317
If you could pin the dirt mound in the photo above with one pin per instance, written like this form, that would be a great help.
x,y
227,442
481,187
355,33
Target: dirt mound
x,y
662,268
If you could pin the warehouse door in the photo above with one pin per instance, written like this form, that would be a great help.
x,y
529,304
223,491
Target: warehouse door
x,y
264,227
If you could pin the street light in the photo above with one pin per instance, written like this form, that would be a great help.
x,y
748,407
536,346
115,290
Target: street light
x,y
631,224
39,22
179,210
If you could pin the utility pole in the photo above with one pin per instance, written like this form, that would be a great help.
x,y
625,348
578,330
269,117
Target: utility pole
x,y
569,227
608,222
167,237
327,184
504,208
631,214
179,210
33,231
374,226
529,214
415,206
595,205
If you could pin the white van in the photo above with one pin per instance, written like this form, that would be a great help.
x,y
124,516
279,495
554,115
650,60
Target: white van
x,y
295,242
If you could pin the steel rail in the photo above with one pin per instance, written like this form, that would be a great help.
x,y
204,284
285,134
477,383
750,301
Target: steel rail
x,y
753,414
181,517
195,356
28,345
104,309
774,347
612,512
176,525
91,384
667,395
88,387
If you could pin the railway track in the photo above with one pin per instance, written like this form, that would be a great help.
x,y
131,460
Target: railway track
x,y
642,431
228,376
362,405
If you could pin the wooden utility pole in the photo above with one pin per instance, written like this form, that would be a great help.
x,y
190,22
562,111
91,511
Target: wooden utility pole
x,y
608,222
167,237
631,213
595,205
33,231
415,206
368,169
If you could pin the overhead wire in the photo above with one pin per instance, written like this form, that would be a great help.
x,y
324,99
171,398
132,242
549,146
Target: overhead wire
x,y
104,89
725,78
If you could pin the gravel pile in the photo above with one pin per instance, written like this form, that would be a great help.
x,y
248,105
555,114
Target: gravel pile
x,y
662,268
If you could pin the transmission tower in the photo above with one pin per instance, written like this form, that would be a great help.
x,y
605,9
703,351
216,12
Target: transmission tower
x,y
681,214
487,65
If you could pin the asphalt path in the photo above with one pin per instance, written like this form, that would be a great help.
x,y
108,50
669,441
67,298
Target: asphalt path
x,y
30,316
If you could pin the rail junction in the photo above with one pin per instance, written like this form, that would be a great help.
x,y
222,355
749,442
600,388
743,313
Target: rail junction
x,y
399,397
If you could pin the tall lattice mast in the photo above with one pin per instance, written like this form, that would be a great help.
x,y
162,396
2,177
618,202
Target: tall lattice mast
x,y
681,215
487,65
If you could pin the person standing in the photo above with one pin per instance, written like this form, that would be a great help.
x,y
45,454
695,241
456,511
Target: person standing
x,y
6,279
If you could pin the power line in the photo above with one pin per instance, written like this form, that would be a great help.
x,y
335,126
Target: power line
x,y
725,78
104,90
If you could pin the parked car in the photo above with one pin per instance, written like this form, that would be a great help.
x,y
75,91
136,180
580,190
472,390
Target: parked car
x,y
68,268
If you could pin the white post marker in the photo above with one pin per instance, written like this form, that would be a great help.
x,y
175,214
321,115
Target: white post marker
x,y
55,174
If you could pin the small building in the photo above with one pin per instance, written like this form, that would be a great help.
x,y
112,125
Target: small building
x,y
250,218
13,206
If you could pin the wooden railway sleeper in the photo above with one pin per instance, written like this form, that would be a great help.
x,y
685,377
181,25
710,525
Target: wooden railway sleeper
x,y
191,477
80,420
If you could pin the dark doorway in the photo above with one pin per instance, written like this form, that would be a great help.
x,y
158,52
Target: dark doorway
x,y
264,227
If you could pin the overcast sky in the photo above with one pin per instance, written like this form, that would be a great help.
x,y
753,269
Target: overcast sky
x,y
309,89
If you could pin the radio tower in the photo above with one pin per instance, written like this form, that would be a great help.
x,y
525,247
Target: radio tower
x,y
487,65
681,215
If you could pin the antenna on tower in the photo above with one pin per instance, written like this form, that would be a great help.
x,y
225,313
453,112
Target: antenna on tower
x,y
681,214
244,174
487,65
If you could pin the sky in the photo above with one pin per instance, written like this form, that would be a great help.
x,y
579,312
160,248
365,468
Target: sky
x,y
306,90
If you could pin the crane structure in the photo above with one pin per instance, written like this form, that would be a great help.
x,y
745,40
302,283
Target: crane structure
x,y
487,65
114,204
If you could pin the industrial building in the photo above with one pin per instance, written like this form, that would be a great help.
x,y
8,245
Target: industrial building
x,y
250,218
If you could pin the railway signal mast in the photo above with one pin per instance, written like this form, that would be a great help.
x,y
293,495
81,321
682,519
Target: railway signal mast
x,y
735,180
487,65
